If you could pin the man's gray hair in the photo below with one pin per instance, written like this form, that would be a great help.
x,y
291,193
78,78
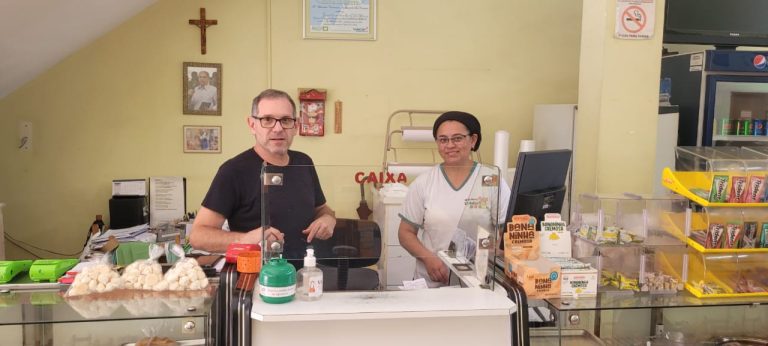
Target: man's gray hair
x,y
272,94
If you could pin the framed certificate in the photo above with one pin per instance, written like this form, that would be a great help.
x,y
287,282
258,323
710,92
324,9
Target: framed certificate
x,y
339,19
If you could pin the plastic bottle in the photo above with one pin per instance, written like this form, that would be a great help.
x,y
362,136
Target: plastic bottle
x,y
309,279
277,281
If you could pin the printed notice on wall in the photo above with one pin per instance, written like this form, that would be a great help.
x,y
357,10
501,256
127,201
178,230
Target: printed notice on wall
x,y
167,200
635,19
340,19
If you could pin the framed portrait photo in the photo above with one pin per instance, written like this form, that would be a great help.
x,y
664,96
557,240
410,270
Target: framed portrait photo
x,y
202,139
201,87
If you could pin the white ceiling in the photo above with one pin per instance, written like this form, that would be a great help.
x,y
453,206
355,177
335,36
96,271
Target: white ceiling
x,y
37,34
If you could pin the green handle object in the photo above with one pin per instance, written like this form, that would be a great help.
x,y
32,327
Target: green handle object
x,y
9,269
50,269
277,281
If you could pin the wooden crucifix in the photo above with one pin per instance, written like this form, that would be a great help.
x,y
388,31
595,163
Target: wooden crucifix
x,y
202,23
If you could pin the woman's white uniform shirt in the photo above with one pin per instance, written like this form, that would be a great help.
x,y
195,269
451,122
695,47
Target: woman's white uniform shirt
x,y
433,206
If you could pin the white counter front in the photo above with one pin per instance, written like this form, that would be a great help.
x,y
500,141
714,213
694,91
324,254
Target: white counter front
x,y
446,316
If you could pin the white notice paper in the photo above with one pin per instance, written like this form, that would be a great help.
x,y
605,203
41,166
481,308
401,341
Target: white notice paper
x,y
167,200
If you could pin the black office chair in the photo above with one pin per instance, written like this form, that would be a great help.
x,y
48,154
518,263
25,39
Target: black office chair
x,y
344,258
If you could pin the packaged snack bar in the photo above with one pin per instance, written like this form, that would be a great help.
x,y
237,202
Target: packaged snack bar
x,y
763,238
719,188
738,189
732,236
756,189
627,283
715,236
749,240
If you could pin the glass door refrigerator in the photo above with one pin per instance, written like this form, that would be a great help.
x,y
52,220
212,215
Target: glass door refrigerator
x,y
722,95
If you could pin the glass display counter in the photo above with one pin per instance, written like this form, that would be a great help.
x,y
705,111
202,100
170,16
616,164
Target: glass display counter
x,y
680,319
46,317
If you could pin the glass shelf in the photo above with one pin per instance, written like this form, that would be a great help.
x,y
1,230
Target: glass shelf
x,y
609,301
123,305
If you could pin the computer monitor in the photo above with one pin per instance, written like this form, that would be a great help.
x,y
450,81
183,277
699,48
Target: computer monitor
x,y
539,184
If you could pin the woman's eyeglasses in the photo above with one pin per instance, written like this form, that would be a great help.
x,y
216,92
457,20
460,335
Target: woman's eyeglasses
x,y
269,122
457,139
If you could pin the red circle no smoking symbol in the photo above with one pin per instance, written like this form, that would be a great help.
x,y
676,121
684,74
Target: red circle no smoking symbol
x,y
633,19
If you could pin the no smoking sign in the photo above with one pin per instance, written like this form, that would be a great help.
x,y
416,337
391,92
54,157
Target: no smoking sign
x,y
635,19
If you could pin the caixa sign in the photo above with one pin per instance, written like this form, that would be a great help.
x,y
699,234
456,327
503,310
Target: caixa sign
x,y
380,177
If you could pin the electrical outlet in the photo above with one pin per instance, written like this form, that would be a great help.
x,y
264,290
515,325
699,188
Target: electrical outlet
x,y
25,136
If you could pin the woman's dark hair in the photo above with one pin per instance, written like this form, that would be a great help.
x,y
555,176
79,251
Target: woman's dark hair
x,y
468,120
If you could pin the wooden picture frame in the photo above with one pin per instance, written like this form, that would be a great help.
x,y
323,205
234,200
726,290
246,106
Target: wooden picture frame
x,y
201,139
358,20
201,88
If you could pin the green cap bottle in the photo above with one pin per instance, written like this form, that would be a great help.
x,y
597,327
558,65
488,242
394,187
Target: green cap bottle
x,y
277,281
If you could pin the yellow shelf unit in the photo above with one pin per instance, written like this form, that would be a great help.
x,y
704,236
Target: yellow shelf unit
x,y
698,271
672,225
683,182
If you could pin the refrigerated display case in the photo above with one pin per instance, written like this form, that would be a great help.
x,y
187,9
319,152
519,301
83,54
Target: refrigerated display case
x,y
722,94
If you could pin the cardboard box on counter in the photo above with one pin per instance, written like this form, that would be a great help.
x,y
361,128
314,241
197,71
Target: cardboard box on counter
x,y
521,239
540,277
578,278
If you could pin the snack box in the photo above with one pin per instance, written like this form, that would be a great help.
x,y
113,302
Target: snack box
x,y
579,278
521,239
540,277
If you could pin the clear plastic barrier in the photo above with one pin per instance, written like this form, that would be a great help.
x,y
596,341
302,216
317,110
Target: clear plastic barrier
x,y
289,198
632,240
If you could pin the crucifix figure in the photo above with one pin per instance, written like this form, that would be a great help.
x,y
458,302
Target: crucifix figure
x,y
202,23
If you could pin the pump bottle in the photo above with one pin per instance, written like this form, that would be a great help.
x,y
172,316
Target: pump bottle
x,y
310,279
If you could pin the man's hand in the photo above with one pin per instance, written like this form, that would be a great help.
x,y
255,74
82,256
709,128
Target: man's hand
x,y
255,236
436,269
321,228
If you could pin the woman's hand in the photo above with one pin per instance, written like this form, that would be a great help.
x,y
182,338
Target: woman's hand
x,y
436,269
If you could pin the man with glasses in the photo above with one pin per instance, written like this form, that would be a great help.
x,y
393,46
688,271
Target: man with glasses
x,y
298,212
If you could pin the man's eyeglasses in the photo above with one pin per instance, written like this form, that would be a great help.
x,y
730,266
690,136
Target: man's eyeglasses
x,y
457,139
269,122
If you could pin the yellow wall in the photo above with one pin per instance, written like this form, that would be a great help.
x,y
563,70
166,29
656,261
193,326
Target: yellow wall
x,y
113,109
618,104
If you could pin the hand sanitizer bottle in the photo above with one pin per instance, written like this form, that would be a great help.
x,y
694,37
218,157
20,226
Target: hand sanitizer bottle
x,y
309,279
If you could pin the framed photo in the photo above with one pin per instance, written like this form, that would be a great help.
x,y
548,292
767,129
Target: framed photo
x,y
339,19
201,87
202,139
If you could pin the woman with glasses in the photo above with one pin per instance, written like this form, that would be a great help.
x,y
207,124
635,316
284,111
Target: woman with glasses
x,y
453,196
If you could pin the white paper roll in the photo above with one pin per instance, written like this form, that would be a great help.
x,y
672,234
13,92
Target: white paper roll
x,y
408,169
527,145
501,151
417,134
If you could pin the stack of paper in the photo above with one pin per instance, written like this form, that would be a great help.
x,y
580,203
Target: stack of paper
x,y
136,233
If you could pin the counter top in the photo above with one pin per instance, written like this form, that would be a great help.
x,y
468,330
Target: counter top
x,y
438,302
